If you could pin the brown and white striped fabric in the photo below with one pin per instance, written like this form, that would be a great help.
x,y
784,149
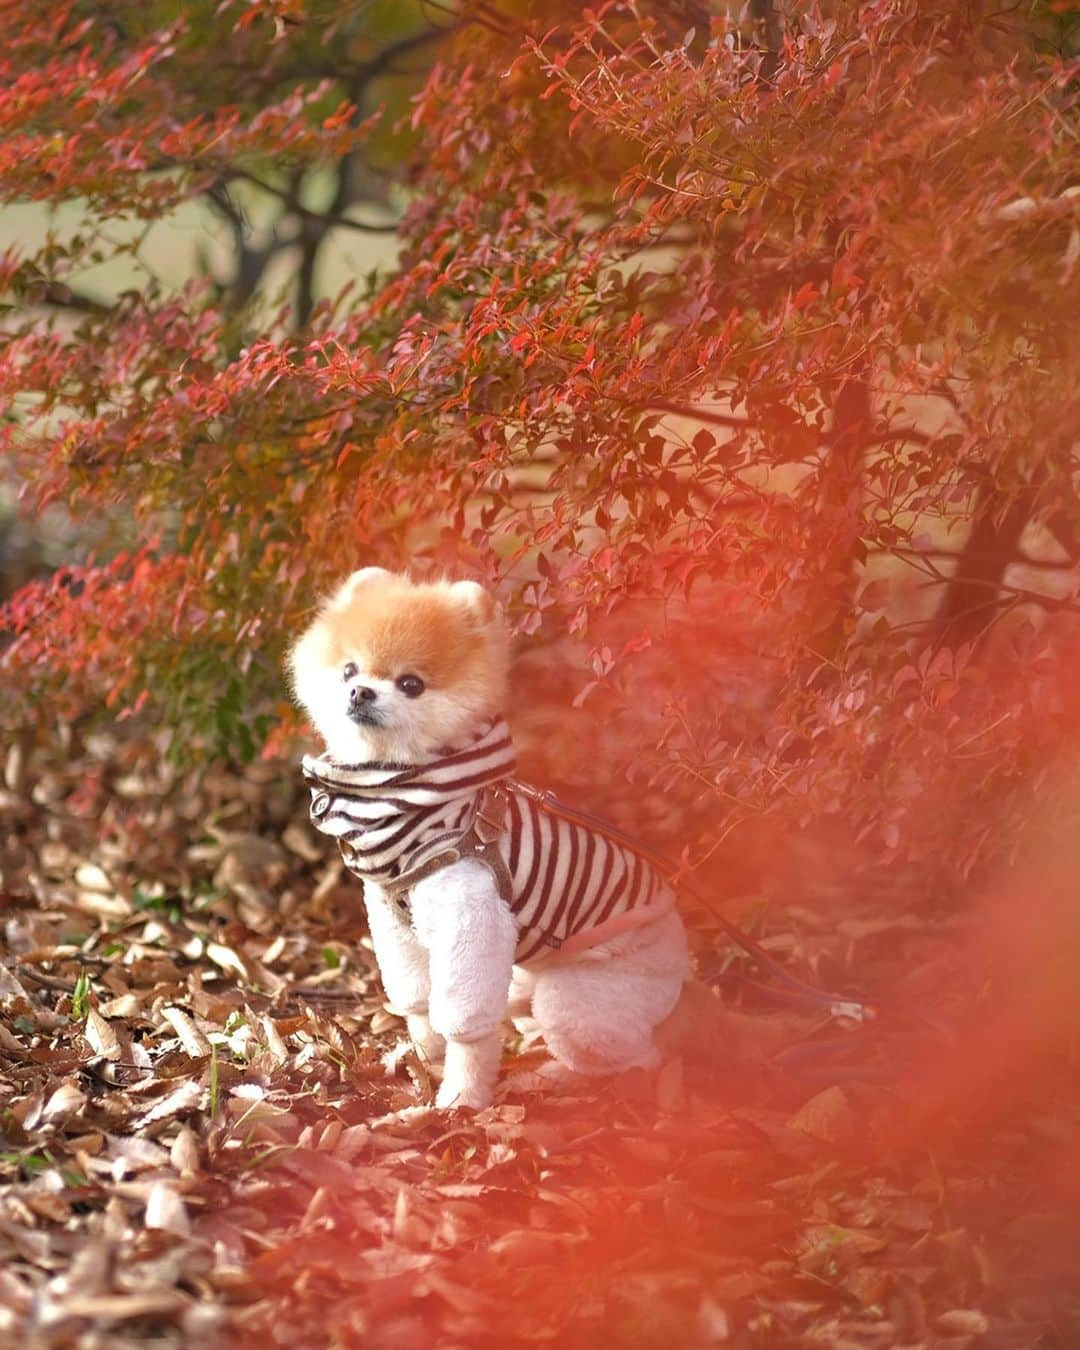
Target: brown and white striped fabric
x,y
571,887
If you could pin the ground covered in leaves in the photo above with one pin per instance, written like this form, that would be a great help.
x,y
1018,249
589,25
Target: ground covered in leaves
x,y
214,1132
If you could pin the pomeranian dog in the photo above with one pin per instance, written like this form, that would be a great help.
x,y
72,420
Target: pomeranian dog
x,y
483,902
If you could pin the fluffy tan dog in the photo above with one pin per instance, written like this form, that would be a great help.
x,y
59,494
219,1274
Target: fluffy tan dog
x,y
481,903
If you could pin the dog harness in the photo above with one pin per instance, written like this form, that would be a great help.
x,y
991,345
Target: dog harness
x,y
569,887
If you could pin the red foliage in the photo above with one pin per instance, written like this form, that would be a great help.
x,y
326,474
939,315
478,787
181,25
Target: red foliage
x,y
749,368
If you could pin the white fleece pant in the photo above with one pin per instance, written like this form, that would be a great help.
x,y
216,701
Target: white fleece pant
x,y
450,972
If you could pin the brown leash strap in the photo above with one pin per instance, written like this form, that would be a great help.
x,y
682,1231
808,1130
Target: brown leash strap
x,y
838,1005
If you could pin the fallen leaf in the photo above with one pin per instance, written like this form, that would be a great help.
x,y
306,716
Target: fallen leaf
x,y
828,1117
183,1098
964,1322
191,1038
713,1323
101,1036
65,1101
165,1210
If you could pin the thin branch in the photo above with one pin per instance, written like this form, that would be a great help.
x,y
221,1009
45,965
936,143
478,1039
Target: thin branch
x,y
381,63
911,435
344,73
1017,559
483,15
1018,594
698,414
289,197
60,296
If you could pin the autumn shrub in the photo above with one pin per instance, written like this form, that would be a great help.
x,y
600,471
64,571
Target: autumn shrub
x,y
732,347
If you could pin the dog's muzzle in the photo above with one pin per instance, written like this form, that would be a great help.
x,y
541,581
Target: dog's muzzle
x,y
362,706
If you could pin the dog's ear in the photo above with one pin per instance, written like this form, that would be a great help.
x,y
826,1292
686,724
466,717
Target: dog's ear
x,y
348,589
478,603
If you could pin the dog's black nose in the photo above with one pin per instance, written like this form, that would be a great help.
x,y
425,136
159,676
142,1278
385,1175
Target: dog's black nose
x,y
360,693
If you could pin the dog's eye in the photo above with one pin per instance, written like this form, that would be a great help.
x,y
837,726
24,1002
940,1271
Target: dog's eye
x,y
412,686
351,671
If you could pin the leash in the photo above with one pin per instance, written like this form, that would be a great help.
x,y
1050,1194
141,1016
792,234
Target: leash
x,y
837,1005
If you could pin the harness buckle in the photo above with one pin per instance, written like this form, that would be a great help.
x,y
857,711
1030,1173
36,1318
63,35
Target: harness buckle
x,y
490,816
849,1008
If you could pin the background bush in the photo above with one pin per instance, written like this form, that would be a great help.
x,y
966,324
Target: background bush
x,y
731,347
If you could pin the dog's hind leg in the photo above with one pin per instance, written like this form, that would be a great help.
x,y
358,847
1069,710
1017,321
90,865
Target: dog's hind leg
x,y
598,1010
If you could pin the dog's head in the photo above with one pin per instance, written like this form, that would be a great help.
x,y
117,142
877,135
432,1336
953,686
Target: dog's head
x,y
395,670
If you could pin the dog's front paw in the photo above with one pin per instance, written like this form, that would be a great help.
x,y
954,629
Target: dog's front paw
x,y
471,1070
430,1046
470,1095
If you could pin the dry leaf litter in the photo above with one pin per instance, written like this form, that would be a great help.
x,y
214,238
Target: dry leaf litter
x,y
216,1134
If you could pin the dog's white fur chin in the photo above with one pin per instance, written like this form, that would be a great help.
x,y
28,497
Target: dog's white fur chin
x,y
450,724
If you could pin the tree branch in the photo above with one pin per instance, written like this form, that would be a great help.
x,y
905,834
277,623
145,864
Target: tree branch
x,y
889,437
1018,559
61,296
251,263
697,414
289,197
482,14
765,14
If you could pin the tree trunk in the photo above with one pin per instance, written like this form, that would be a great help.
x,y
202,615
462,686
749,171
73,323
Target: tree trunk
x,y
840,505
971,599
768,19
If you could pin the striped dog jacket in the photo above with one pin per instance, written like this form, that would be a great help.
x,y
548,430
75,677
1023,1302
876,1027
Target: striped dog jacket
x,y
568,887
